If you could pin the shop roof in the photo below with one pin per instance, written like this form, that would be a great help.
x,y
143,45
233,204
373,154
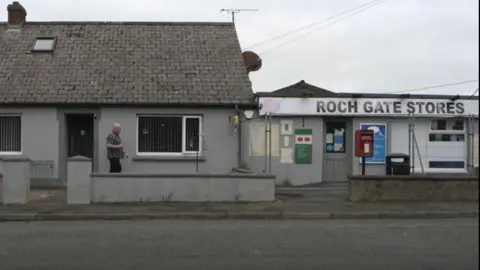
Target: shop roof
x,y
303,89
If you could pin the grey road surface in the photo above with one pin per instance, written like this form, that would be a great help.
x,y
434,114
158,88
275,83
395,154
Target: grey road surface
x,y
233,244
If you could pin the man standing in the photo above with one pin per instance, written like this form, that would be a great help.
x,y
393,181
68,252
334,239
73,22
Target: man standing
x,y
115,149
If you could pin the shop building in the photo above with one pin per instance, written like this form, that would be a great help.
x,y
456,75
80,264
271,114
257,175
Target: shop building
x,y
312,133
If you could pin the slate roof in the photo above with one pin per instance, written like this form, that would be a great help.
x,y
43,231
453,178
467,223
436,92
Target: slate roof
x,y
124,63
303,90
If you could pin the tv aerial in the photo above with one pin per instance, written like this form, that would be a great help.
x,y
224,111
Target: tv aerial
x,y
233,11
251,60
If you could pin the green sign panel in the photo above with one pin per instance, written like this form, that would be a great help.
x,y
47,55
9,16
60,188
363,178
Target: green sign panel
x,y
303,146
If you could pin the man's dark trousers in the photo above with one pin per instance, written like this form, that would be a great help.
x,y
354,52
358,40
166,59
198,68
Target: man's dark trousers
x,y
115,165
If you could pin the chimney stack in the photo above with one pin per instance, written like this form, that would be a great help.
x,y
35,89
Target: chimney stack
x,y
17,14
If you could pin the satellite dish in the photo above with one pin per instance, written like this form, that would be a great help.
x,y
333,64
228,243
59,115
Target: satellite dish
x,y
252,61
270,106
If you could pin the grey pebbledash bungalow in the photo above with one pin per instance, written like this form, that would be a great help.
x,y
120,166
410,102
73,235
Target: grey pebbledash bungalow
x,y
175,88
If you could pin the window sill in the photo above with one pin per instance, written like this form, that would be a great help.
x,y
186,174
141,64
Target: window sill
x,y
7,155
168,158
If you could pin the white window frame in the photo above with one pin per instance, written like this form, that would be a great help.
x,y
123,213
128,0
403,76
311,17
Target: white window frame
x,y
184,135
448,131
184,144
21,136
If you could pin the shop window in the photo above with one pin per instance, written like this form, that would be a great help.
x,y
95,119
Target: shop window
x,y
439,137
446,164
335,137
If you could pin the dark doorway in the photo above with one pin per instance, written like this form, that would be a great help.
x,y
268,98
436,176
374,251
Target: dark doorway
x,y
80,135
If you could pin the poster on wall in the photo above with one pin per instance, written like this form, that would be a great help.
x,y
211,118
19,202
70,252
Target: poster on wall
x,y
286,155
379,142
257,140
303,146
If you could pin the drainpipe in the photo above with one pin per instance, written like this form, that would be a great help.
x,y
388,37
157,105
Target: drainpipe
x,y
470,146
239,130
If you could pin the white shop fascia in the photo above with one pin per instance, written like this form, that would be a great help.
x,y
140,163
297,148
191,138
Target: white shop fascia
x,y
394,107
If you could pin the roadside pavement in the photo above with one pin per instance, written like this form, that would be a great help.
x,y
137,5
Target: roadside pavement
x,y
291,203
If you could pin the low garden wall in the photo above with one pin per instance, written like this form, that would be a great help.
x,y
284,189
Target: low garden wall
x,y
85,187
374,188
131,187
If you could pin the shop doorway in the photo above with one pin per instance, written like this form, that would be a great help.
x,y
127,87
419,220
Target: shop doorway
x,y
337,150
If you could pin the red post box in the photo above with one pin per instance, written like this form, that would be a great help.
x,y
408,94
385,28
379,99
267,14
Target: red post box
x,y
363,143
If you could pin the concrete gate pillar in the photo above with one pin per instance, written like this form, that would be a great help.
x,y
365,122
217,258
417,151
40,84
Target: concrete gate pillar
x,y
79,187
16,179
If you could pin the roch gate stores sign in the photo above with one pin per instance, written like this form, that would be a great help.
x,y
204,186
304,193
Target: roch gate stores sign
x,y
389,107
375,107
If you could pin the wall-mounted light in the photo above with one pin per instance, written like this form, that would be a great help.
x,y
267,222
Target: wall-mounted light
x,y
249,114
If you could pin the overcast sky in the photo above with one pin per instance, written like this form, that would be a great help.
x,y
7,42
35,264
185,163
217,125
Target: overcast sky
x,y
396,45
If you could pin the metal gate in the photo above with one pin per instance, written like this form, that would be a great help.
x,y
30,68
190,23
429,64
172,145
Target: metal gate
x,y
42,174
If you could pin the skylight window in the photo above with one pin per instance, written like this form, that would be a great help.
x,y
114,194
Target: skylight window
x,y
44,45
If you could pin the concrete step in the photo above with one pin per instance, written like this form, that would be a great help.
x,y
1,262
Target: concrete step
x,y
317,194
320,186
